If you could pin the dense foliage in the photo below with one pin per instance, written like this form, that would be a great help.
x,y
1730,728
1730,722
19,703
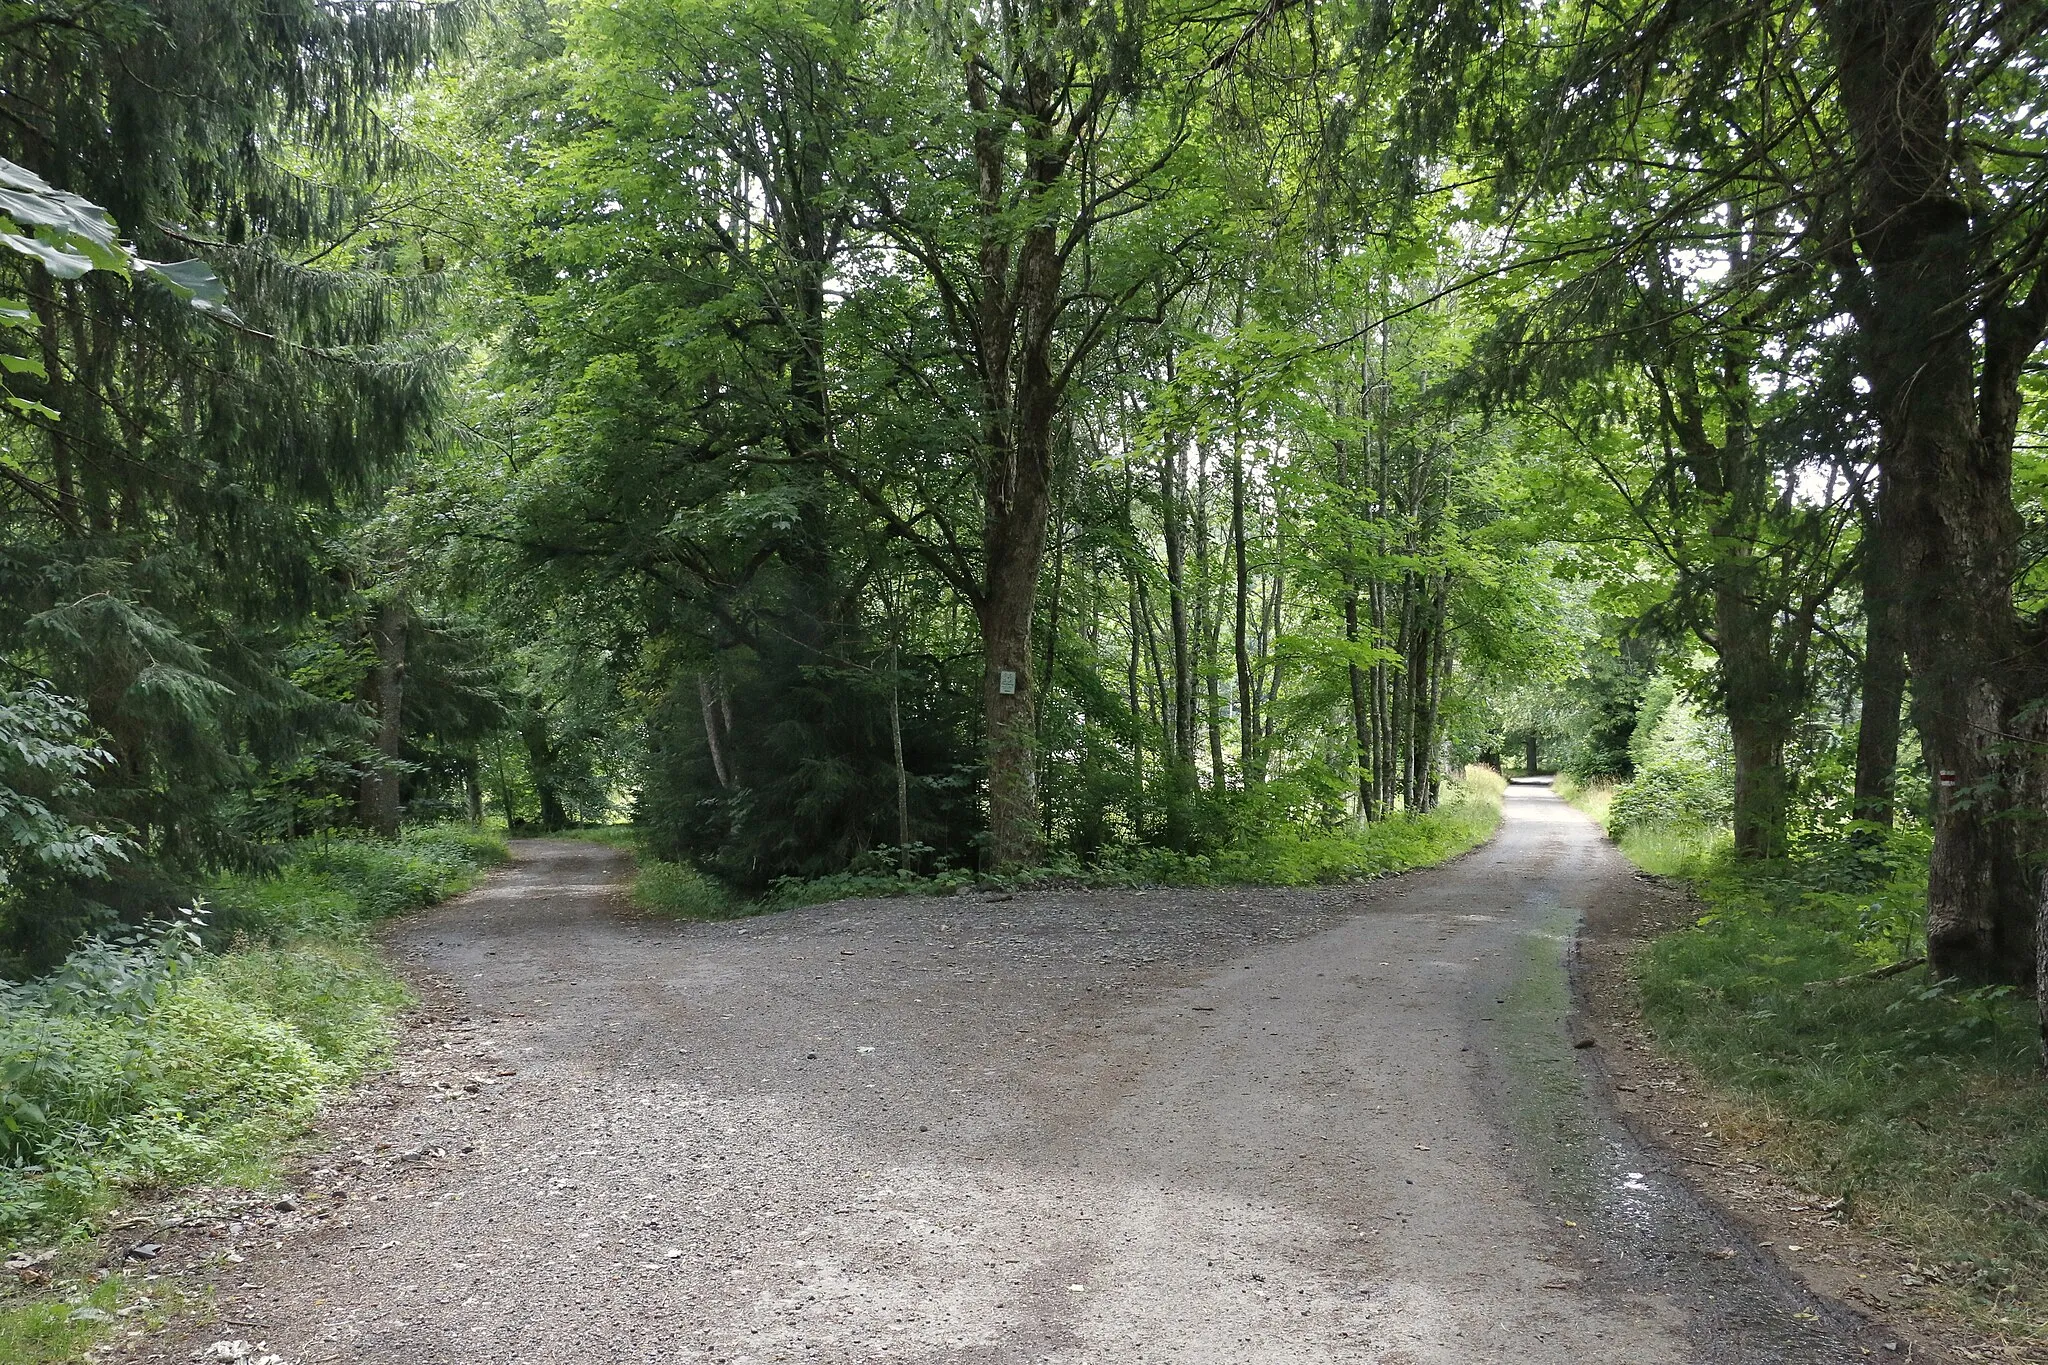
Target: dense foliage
x,y
870,446
946,438
143,1058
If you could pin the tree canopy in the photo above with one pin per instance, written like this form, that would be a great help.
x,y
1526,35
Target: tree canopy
x,y
948,435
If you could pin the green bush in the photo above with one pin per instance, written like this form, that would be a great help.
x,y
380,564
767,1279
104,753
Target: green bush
x,y
189,1070
682,892
145,1060
327,887
1676,791
1683,766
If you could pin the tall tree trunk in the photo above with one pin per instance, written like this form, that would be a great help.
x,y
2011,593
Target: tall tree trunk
x,y
1421,647
1185,781
1137,714
1052,642
1361,719
1401,711
504,777
1019,303
379,799
1173,760
473,788
709,703
1382,707
1883,675
1247,695
1361,724
1208,622
1760,718
1946,443
1439,669
540,762
896,750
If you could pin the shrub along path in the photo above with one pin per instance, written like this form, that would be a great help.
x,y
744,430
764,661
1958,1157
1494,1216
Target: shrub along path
x,y
1229,1125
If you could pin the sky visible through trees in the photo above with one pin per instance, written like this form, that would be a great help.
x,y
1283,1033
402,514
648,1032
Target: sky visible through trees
x,y
946,435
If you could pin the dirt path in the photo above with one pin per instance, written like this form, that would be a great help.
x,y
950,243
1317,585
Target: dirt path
x,y
1190,1126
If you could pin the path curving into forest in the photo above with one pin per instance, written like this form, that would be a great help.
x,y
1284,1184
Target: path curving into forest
x,y
1228,1125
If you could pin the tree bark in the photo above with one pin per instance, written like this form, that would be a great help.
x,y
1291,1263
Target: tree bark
x,y
1018,308
540,762
1946,451
1882,681
1185,781
896,749
379,798
1361,722
1137,714
1247,694
1361,718
1052,641
1760,718
709,703
1208,623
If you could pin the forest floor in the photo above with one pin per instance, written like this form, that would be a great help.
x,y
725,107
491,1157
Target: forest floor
x,y
1224,1125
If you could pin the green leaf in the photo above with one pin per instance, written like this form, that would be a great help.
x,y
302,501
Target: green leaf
x,y
31,407
193,280
21,364
65,265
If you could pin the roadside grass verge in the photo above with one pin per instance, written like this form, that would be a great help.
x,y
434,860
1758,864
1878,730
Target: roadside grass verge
x,y
58,1327
1665,848
191,1051
1591,798
670,890
1919,1103
1467,817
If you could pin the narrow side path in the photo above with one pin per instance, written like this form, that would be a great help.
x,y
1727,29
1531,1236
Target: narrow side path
x,y
1227,1125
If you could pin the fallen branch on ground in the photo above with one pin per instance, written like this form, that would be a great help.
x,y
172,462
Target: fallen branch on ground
x,y
1875,974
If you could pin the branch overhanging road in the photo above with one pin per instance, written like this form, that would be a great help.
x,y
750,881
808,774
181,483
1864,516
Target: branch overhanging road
x,y
1222,1125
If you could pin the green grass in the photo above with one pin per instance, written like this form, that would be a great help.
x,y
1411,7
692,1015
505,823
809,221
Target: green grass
x,y
1675,850
678,891
55,1329
1591,798
332,887
172,1055
1919,1102
1467,818
1668,850
611,836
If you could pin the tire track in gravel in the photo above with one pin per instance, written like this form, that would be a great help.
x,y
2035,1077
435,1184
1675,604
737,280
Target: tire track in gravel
x,y
1216,1125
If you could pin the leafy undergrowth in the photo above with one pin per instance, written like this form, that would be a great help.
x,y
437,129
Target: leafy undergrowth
x,y
1918,1102
332,887
1468,816
190,1052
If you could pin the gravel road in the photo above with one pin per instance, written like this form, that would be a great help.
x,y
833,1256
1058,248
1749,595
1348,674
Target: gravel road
x,y
1230,1125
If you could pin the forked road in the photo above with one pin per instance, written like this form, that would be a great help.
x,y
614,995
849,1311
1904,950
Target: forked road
x,y
1191,1126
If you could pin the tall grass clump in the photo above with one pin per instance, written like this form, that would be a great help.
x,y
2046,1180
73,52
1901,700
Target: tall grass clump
x,y
189,1050
331,886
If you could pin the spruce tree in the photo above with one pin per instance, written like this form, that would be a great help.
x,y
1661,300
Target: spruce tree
x,y
185,472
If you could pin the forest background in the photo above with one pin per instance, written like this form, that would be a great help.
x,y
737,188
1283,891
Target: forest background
x,y
866,446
